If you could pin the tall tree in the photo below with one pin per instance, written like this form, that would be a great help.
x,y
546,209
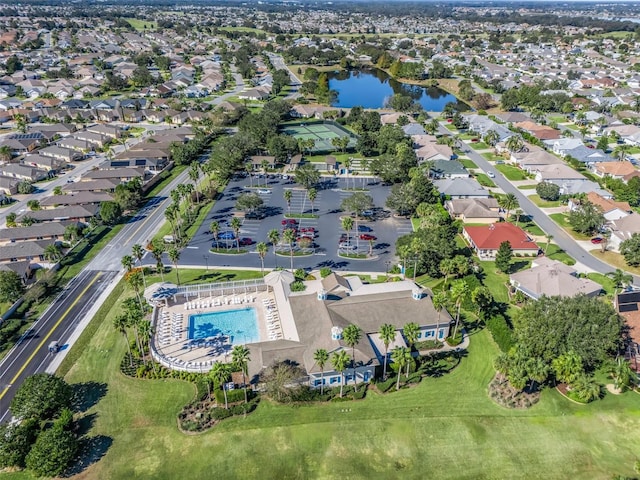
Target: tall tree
x,y
137,251
340,360
321,357
214,228
240,356
312,193
288,193
174,257
410,332
508,202
235,225
127,263
274,238
347,225
120,324
439,300
387,334
220,373
352,334
459,292
262,249
503,257
289,237
400,356
620,279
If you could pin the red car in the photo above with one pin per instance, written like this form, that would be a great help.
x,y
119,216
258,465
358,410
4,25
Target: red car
x,y
304,238
245,241
596,240
289,221
308,230
367,236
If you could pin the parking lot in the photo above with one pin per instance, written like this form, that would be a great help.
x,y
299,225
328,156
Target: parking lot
x,y
327,228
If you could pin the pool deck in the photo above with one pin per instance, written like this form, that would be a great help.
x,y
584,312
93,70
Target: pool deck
x,y
172,329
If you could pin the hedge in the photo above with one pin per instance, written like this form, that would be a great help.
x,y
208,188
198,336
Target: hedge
x,y
501,332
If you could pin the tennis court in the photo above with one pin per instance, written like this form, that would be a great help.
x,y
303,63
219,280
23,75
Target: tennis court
x,y
321,133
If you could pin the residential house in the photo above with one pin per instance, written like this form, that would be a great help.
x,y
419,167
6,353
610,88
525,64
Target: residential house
x,y
486,239
619,170
541,132
39,231
76,213
21,268
623,229
433,152
611,209
474,210
461,188
49,164
66,155
627,304
102,185
556,173
23,172
32,252
122,175
80,198
259,162
447,169
552,278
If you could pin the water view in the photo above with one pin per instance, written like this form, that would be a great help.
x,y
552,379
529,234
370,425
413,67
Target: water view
x,y
373,88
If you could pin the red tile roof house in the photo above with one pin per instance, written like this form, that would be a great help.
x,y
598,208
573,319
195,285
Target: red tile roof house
x,y
486,240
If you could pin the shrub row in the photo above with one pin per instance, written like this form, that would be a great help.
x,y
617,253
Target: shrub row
x,y
501,332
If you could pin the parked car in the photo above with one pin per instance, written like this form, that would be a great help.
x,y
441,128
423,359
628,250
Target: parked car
x,y
245,241
304,237
367,236
255,215
367,213
364,228
596,240
308,230
264,190
346,246
491,175
499,162
226,235
289,221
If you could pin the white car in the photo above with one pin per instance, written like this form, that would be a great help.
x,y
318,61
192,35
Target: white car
x,y
491,175
264,190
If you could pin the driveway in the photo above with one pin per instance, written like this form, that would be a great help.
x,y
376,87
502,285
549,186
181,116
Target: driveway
x,y
560,236
327,226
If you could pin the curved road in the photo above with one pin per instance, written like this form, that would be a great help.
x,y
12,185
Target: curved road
x,y
560,236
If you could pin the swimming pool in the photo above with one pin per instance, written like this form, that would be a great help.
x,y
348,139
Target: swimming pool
x,y
241,326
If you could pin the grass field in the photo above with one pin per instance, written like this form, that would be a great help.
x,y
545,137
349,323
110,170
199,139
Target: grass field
x,y
141,25
512,173
527,187
614,259
535,198
554,252
485,181
466,163
562,219
446,425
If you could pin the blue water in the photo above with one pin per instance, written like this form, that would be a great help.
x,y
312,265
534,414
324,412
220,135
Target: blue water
x,y
373,88
240,325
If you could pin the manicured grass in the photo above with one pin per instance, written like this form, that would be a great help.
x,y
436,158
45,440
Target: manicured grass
x,y
301,215
432,424
512,173
485,181
614,259
531,228
527,187
492,157
562,219
605,281
496,281
478,145
140,25
544,203
466,163
557,118
556,253
202,275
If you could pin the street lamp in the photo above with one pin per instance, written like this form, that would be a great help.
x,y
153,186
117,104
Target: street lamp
x,y
206,259
387,264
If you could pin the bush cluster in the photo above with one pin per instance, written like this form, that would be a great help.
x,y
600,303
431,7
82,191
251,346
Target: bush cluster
x,y
501,332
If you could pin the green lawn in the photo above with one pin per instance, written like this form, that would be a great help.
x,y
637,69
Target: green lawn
x,y
532,228
562,219
479,145
492,157
556,253
557,118
544,203
466,163
605,281
446,425
485,181
527,187
141,25
512,173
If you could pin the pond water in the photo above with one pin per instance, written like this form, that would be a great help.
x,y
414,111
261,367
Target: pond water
x,y
373,88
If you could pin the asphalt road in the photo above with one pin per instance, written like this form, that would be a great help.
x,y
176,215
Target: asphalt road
x,y
560,236
30,355
328,226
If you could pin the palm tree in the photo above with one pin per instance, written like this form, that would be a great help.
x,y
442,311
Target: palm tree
x,y
194,175
214,228
508,202
274,238
620,279
137,252
235,225
262,250
491,138
459,292
621,151
321,356
288,193
411,331
312,193
127,262
157,249
52,253
447,267
387,334
174,256
289,237
401,356
567,367
340,360
549,237
240,357
347,225
352,334
432,126
220,374
439,300
515,143
621,373
5,153
120,324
